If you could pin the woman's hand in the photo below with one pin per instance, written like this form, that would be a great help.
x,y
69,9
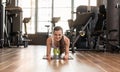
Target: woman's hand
x,y
66,57
48,57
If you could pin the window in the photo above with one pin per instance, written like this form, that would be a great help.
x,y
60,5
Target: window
x,y
28,7
84,3
62,9
44,15
93,2
45,12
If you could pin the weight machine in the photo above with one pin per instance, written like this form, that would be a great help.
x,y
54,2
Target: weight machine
x,y
3,28
85,37
113,29
23,39
82,24
114,44
11,25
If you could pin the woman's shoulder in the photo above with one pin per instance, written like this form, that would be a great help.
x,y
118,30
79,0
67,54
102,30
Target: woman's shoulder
x,y
66,38
49,38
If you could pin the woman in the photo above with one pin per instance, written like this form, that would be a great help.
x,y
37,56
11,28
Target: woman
x,y
58,40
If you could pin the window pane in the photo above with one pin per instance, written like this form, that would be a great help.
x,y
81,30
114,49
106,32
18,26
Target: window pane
x,y
93,2
80,2
44,3
62,9
62,3
64,25
42,26
83,2
63,13
28,7
26,12
25,3
44,14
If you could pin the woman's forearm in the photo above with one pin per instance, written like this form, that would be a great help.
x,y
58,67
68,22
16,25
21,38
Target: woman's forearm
x,y
67,51
48,51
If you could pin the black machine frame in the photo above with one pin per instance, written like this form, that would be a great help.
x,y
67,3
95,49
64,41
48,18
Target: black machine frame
x,y
83,25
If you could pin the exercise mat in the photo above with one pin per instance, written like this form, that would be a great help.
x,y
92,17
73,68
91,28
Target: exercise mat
x,y
58,58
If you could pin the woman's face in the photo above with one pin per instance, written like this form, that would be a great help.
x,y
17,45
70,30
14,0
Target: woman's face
x,y
58,35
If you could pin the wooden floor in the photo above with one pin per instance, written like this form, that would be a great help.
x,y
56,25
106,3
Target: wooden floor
x,y
31,60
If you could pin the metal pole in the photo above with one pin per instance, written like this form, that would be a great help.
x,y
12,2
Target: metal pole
x,y
1,25
72,9
52,15
36,16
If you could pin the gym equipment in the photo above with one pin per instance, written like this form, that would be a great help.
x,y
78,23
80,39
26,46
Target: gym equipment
x,y
3,28
14,17
14,22
14,26
100,27
25,21
114,34
88,33
81,24
23,39
47,30
82,33
54,20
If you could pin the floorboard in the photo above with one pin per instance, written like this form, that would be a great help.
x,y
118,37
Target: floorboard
x,y
30,59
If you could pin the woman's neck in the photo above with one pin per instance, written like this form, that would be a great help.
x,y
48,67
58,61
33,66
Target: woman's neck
x,y
57,43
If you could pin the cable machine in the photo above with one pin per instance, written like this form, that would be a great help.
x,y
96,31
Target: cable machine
x,y
3,28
